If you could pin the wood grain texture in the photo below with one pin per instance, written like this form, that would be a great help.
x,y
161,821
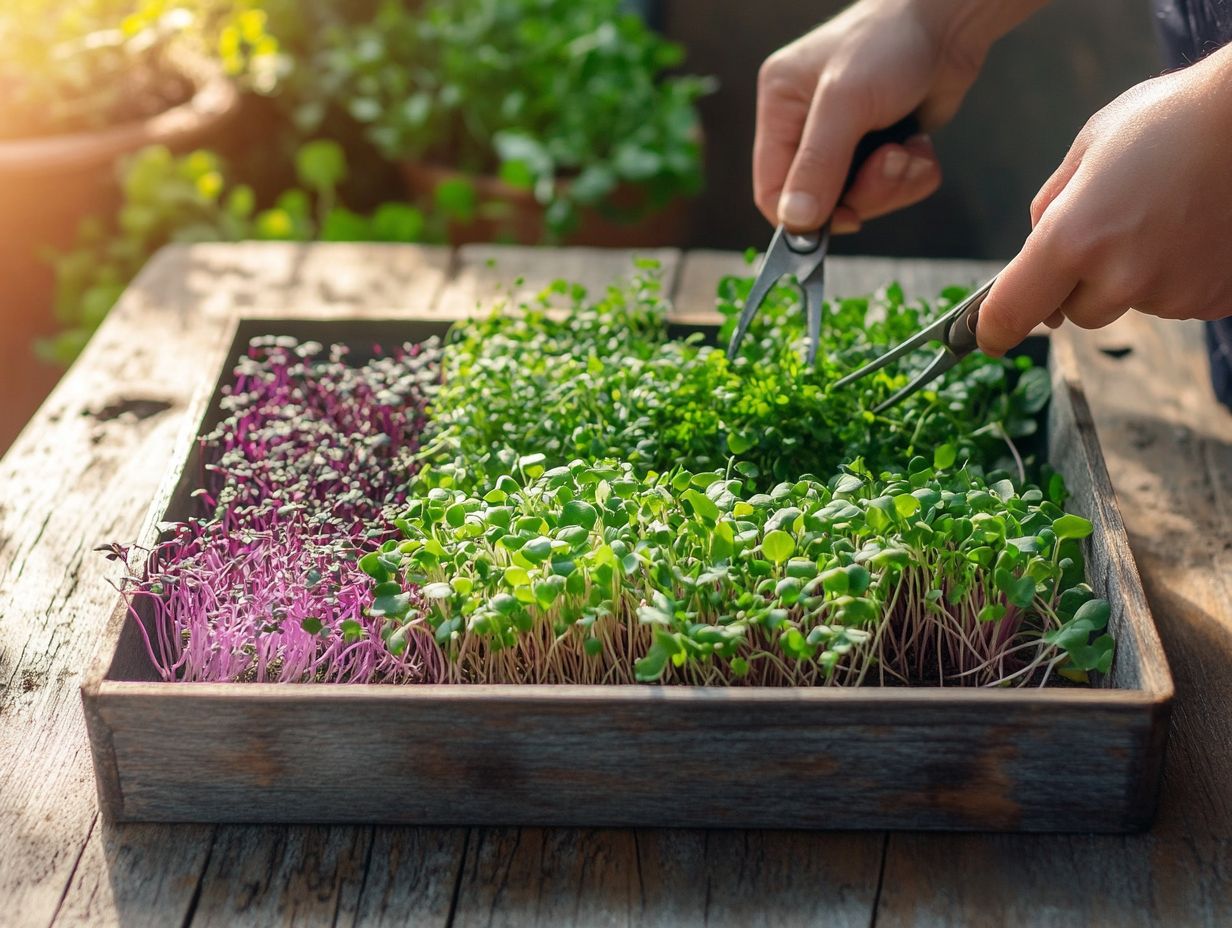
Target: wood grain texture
x,y
136,875
929,758
1168,445
666,878
488,274
81,476
541,755
287,876
74,480
412,877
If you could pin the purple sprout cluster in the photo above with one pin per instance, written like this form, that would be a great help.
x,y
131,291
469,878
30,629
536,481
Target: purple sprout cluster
x,y
308,466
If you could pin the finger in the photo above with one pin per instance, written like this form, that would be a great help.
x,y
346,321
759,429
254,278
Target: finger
x,y
781,113
1032,287
1059,180
835,123
1054,321
894,176
844,220
1091,306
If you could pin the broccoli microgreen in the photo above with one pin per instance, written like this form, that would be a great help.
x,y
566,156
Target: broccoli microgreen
x,y
570,376
598,573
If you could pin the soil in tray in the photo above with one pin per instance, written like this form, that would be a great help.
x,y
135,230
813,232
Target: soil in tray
x,y
578,498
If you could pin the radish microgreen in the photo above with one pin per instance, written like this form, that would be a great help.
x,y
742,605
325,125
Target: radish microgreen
x,y
305,469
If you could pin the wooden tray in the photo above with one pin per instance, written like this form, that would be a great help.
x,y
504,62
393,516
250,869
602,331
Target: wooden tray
x,y
1056,759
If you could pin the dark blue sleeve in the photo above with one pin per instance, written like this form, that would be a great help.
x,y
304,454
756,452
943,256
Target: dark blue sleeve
x,y
1190,29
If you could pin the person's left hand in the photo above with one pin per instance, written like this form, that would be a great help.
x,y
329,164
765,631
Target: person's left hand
x,y
1138,215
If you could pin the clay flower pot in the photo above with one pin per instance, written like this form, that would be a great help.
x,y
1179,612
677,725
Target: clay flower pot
x,y
47,185
521,216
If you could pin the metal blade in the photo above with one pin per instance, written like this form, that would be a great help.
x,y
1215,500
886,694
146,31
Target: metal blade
x,y
943,362
761,286
789,253
932,333
814,301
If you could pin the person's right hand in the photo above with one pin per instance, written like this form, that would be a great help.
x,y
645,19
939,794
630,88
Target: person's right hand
x,y
873,64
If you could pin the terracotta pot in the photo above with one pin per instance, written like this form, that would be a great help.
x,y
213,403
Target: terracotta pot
x,y
47,185
521,215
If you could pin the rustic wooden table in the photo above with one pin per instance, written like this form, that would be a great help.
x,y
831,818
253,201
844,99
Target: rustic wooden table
x,y
83,473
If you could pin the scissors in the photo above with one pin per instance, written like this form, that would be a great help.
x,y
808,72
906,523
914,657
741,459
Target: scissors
x,y
803,256
956,332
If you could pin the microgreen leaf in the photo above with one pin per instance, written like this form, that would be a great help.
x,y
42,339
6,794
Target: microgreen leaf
x,y
944,457
1071,526
778,546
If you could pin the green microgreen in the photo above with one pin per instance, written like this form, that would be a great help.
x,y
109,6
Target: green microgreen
x,y
570,376
599,573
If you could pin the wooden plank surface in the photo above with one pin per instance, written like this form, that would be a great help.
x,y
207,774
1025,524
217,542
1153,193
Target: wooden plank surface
x,y
1169,450
488,274
82,476
667,878
76,480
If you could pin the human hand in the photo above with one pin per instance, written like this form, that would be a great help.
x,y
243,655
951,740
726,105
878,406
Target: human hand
x,y
1139,214
873,64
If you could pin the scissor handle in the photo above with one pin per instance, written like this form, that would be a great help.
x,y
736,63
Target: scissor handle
x,y
896,134
960,335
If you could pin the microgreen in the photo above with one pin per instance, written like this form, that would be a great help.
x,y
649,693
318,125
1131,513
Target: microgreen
x,y
596,573
572,497
304,471
570,376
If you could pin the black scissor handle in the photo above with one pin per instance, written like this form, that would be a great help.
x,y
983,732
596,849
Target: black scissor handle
x,y
960,335
896,134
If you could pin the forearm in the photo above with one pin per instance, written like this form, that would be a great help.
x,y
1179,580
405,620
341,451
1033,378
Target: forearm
x,y
974,25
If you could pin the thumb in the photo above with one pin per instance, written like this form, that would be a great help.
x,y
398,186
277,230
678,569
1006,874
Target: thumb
x,y
1027,292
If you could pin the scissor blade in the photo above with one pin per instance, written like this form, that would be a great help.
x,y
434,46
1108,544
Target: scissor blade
x,y
932,333
813,286
814,291
944,360
799,255
765,280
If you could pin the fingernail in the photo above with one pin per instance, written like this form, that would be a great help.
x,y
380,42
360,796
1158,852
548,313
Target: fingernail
x,y
844,226
798,210
918,168
895,163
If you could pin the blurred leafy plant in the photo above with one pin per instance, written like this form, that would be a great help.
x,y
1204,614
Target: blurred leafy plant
x,y
565,98
189,199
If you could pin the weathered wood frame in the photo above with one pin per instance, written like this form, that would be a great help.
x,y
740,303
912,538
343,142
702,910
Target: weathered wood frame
x,y
1058,759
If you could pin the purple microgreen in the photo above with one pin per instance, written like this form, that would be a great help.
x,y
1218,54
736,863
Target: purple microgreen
x,y
306,469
